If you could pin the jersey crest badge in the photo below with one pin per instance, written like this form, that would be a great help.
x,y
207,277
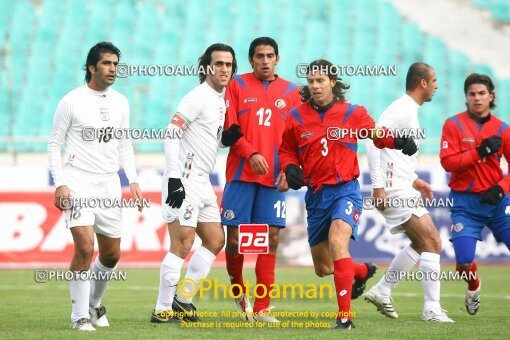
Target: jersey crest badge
x,y
280,103
104,113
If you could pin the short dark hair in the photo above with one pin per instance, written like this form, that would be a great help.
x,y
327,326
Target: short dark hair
x,y
95,54
416,73
206,58
262,41
476,78
325,67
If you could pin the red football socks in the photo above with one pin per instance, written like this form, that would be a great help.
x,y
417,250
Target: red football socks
x,y
264,270
344,276
235,271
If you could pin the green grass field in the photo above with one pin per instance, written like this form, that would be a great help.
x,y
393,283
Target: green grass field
x,y
42,310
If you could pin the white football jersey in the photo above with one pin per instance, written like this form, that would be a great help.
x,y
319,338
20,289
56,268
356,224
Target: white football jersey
x,y
200,114
391,169
81,122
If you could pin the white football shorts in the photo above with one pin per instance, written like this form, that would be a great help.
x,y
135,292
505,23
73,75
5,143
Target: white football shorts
x,y
84,185
199,205
403,208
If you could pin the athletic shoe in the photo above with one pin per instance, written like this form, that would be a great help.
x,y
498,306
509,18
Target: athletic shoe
x,y
358,287
83,325
165,316
383,303
98,316
344,325
244,308
265,316
473,300
438,315
185,311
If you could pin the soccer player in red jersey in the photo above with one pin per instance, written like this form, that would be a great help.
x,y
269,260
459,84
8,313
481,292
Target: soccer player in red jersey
x,y
259,102
314,154
472,145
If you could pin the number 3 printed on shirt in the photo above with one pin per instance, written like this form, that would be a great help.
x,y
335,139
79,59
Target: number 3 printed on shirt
x,y
348,211
325,149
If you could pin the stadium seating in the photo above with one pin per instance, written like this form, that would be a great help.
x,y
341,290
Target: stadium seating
x,y
46,51
499,9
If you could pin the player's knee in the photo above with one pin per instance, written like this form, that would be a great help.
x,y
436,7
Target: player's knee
x,y
84,251
232,246
215,246
436,243
273,242
181,248
110,258
323,270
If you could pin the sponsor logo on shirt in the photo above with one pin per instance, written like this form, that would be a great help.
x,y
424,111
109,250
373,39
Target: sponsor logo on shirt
x,y
445,145
468,140
280,103
307,134
250,100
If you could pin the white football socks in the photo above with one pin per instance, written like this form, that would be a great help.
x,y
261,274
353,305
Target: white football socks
x,y
98,287
80,290
169,275
429,263
198,269
404,261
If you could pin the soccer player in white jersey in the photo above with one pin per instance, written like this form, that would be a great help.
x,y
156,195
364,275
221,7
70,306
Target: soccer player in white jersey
x,y
191,204
90,171
394,178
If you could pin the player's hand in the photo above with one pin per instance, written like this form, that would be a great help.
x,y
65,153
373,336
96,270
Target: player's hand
x,y
281,182
137,193
493,196
62,197
230,136
258,164
379,195
294,176
489,146
424,188
406,144
176,193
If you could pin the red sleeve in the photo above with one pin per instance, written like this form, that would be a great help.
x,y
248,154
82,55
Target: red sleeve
x,y
366,125
505,182
452,158
287,153
294,98
242,147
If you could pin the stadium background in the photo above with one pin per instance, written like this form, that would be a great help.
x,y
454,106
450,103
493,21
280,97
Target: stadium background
x,y
43,44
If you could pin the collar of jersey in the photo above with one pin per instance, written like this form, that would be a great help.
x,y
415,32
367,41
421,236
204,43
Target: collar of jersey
x,y
477,119
97,93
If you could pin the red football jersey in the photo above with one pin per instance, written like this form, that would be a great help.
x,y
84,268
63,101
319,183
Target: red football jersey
x,y
323,159
260,108
470,173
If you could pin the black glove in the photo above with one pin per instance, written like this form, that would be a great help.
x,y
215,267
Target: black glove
x,y
294,176
176,193
230,136
493,195
489,146
406,144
